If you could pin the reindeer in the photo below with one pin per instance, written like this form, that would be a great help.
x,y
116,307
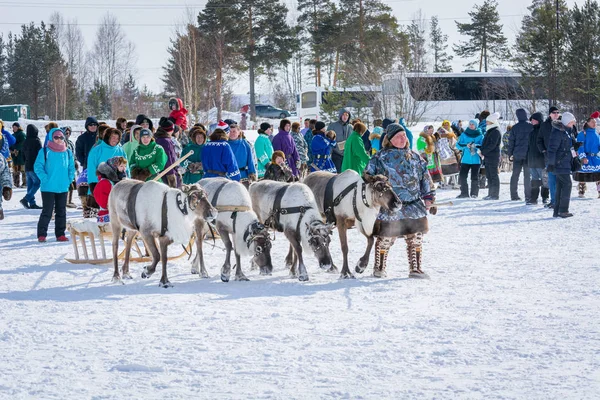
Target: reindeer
x,y
163,213
290,208
248,236
347,200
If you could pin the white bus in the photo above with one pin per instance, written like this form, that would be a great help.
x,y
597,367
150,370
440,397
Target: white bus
x,y
310,100
457,96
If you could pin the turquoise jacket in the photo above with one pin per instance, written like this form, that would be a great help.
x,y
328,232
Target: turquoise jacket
x,y
101,153
56,170
467,137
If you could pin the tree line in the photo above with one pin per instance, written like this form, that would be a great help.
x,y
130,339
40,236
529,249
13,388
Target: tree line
x,y
322,42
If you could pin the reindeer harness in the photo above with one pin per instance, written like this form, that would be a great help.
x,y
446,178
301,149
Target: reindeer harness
x,y
329,203
278,211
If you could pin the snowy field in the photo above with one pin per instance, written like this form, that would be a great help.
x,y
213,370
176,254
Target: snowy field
x,y
510,312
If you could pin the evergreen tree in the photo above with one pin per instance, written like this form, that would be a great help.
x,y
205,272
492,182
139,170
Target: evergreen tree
x,y
486,40
3,70
539,44
416,44
439,44
98,100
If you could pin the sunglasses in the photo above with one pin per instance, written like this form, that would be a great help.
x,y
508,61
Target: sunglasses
x,y
555,112
59,138
93,125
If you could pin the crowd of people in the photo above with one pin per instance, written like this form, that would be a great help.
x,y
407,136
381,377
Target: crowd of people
x,y
548,152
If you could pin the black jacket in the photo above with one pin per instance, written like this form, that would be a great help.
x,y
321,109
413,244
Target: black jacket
x,y
85,142
490,147
518,142
31,147
544,136
535,158
559,149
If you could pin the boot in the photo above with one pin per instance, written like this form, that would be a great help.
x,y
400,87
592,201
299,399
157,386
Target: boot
x,y
413,248
581,188
24,179
535,191
382,248
70,203
16,179
545,194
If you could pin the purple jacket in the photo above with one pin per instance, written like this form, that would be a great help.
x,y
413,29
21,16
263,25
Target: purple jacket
x,y
164,140
285,142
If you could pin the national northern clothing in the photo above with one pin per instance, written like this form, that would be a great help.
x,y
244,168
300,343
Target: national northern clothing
x,y
264,151
321,150
243,156
218,160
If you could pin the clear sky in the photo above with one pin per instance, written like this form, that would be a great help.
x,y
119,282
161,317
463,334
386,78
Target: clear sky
x,y
150,24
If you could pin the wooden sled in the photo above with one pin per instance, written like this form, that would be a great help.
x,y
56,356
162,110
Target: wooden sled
x,y
84,231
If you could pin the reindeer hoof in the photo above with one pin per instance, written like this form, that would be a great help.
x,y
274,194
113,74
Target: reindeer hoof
x,y
127,275
303,278
332,270
195,271
360,268
145,274
224,278
117,279
165,285
241,278
204,275
347,275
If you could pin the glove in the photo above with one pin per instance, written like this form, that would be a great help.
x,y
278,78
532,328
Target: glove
x,y
550,168
331,135
7,193
252,178
432,210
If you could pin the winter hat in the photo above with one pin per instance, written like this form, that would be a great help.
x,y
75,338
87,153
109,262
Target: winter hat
x,y
165,124
145,132
264,126
567,118
17,125
483,115
319,126
392,130
223,125
89,121
474,121
552,109
283,123
140,120
359,128
230,122
32,131
537,116
65,128
493,118
595,115
386,122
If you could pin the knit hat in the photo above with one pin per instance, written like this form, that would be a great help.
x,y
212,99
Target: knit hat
x,y
264,126
166,124
320,125
230,122
392,130
224,126
386,122
552,109
567,118
145,132
493,118
474,121
595,115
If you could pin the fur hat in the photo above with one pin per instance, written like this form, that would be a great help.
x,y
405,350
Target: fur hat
x,y
109,132
295,126
219,134
359,128
277,153
224,126
320,125
283,123
493,118
140,119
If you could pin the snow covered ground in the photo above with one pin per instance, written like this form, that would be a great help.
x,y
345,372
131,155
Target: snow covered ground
x,y
511,311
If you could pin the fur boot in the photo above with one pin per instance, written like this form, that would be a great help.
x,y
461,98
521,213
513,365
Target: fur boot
x,y
414,245
581,188
382,248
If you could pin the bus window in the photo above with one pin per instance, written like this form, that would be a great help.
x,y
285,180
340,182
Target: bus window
x,y
309,100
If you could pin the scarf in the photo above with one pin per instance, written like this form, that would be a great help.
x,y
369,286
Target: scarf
x,y
492,126
471,133
57,147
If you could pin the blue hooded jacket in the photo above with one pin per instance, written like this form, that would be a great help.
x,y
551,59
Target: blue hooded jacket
x,y
217,156
8,140
102,153
56,170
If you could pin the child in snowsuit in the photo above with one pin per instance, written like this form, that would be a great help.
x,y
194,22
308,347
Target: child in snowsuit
x,y
109,173
277,169
178,112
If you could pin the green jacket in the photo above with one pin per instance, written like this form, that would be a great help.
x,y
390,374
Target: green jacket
x,y
151,157
355,155
264,151
192,177
130,147
18,146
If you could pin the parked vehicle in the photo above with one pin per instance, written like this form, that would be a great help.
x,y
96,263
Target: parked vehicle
x,y
267,111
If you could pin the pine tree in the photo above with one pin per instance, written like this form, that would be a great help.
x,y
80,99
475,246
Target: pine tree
x,y
486,42
416,44
539,44
439,44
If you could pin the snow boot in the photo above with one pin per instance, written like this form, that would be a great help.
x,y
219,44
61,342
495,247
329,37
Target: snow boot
x,y
16,179
545,194
382,248
414,245
581,188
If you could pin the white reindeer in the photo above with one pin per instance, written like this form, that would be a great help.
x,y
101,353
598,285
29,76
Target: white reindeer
x,y
238,227
290,208
156,212
351,201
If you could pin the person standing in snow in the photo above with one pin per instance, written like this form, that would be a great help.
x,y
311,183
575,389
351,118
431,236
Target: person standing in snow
x,y
83,145
588,153
71,146
469,143
16,151
6,141
243,155
560,149
308,137
5,183
322,146
306,126
133,143
342,129
407,173
163,138
55,166
542,143
490,150
427,148
218,159
193,164
31,148
283,141
263,148
518,149
355,154
535,160
109,147
148,159
375,136
302,148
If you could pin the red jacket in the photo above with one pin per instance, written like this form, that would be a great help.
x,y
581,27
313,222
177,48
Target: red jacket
x,y
101,193
180,115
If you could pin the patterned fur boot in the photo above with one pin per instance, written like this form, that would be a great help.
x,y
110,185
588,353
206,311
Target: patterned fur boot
x,y
413,249
382,248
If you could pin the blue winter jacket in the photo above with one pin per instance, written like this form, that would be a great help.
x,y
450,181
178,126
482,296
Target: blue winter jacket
x,y
559,148
100,153
483,126
56,170
8,141
589,149
467,137
321,152
243,156
218,160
